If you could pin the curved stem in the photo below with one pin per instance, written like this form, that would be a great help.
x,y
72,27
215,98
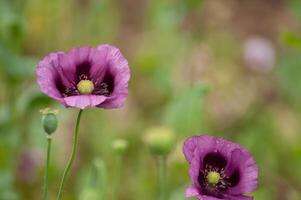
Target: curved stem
x,y
72,157
45,195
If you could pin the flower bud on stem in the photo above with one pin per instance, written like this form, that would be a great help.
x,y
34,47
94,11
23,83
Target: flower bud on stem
x,y
49,122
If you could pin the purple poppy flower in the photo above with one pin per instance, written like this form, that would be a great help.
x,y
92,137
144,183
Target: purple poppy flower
x,y
85,77
219,169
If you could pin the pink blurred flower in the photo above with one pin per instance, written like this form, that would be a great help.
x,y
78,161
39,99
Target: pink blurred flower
x,y
259,54
28,165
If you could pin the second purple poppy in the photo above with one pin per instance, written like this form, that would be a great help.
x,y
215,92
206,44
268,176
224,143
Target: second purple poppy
x,y
219,169
85,77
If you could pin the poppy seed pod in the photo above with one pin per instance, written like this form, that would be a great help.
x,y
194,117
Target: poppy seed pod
x,y
160,140
49,122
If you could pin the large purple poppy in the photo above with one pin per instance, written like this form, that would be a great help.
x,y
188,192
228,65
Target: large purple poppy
x,y
85,77
219,169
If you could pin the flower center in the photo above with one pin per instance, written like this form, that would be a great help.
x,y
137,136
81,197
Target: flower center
x,y
85,87
213,178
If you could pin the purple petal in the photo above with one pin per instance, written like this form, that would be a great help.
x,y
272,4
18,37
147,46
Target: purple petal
x,y
120,70
204,143
191,192
205,197
243,161
238,197
194,169
84,101
207,144
71,62
46,75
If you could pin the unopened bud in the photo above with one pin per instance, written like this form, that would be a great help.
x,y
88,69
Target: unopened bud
x,y
120,146
49,121
160,140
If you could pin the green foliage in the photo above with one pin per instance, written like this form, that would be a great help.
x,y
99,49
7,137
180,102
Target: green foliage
x,y
185,112
291,39
289,73
95,182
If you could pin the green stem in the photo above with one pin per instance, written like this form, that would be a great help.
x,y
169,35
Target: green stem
x,y
161,160
45,196
72,157
117,177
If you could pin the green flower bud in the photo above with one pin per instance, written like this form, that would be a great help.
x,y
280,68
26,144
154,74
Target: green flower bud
x,y
49,121
120,146
160,140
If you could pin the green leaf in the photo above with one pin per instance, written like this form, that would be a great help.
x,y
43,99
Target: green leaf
x,y
178,194
185,112
291,39
94,188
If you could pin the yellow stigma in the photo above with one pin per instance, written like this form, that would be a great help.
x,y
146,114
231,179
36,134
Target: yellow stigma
x,y
213,178
85,87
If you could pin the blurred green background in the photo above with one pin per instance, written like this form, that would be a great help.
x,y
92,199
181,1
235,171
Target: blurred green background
x,y
229,68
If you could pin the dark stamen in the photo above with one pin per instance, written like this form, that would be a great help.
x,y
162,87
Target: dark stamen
x,y
216,162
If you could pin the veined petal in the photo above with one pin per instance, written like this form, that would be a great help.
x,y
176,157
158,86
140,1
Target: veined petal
x,y
242,160
191,192
84,101
46,76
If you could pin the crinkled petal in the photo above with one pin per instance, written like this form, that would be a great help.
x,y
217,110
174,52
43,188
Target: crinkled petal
x,y
72,63
192,192
205,197
46,76
84,101
116,101
119,68
240,197
204,143
194,169
242,160
207,144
